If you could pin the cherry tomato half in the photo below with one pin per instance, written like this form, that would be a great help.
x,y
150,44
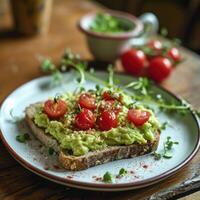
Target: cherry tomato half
x,y
159,68
85,119
107,120
87,101
134,61
174,54
55,109
138,117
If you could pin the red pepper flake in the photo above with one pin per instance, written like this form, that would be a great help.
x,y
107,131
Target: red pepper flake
x,y
56,167
98,179
136,177
145,166
69,177
132,172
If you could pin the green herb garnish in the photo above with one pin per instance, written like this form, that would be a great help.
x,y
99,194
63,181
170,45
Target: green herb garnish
x,y
141,86
107,177
70,60
48,66
23,137
122,172
168,146
106,23
164,125
157,156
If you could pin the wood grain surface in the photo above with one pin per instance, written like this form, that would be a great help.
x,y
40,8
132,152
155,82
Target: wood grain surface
x,y
19,63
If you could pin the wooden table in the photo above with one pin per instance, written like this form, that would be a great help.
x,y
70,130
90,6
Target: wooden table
x,y
19,64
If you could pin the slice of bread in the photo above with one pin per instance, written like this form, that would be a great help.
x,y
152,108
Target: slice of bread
x,y
91,159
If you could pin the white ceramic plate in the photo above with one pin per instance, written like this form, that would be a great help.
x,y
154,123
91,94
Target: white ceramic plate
x,y
142,171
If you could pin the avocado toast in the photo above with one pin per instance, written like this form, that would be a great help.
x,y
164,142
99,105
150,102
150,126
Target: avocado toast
x,y
91,127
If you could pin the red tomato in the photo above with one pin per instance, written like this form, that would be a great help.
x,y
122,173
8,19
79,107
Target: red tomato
x,y
107,120
159,68
107,95
138,117
155,45
134,61
87,101
55,109
110,105
85,119
174,54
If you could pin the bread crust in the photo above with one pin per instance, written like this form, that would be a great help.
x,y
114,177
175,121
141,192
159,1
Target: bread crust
x,y
91,159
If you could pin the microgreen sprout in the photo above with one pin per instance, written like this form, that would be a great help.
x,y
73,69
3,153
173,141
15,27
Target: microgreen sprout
x,y
157,156
141,85
48,66
22,138
107,177
70,60
167,148
182,107
164,125
122,172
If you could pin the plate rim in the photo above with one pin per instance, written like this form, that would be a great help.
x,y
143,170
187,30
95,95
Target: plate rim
x,y
102,186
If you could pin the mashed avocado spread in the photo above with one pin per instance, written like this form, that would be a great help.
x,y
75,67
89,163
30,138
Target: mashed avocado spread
x,y
79,142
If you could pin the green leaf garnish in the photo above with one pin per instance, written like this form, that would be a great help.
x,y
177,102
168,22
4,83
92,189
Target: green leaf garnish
x,y
23,137
47,66
164,125
106,23
70,60
157,156
122,172
168,146
107,177
141,86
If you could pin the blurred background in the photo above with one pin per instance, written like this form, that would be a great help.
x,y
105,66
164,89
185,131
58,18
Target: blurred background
x,y
180,17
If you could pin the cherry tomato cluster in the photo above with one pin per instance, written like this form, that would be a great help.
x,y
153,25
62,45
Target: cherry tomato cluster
x,y
154,60
87,118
